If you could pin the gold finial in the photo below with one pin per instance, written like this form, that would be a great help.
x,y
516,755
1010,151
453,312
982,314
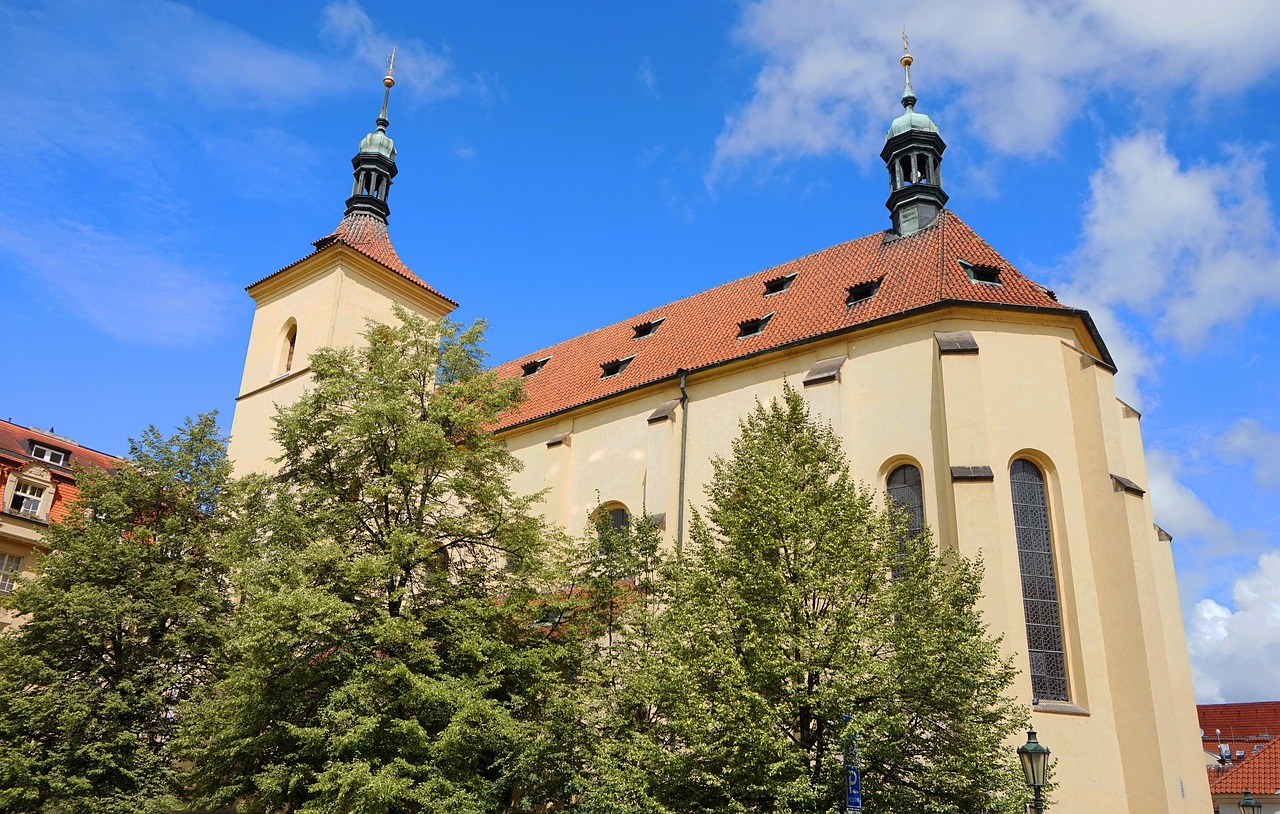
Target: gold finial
x,y
906,54
389,79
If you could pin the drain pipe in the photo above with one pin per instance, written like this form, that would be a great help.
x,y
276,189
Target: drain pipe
x,y
684,446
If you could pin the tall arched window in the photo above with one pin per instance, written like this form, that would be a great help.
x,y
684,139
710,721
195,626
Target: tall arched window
x,y
1039,583
906,493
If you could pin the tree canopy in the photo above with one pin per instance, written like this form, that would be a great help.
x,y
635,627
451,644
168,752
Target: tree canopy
x,y
389,653
121,621
801,602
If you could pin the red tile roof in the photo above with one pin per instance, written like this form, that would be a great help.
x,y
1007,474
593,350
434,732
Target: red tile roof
x,y
1240,720
1259,772
15,454
915,272
368,235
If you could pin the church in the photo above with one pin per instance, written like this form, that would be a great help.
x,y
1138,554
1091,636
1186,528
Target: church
x,y
962,389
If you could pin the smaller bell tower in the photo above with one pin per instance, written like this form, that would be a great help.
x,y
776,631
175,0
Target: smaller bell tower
x,y
326,299
913,155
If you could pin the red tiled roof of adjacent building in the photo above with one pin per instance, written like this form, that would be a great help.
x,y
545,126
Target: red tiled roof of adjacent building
x,y
367,235
1251,718
915,272
15,454
1259,772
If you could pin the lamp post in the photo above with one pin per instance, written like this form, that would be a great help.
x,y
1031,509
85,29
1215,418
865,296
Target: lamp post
x,y
1035,766
1249,805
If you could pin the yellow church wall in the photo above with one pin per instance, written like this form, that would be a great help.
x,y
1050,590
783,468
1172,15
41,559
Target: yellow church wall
x,y
329,296
1028,392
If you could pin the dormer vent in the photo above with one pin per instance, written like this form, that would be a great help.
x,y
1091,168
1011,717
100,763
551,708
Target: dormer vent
x,y
779,284
979,273
647,328
534,366
862,292
610,369
753,327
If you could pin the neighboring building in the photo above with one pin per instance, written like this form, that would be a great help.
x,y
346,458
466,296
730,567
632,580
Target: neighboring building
x,y
1258,774
38,484
959,386
1242,751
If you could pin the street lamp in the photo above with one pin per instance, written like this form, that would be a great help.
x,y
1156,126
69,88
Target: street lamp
x,y
1249,805
1035,766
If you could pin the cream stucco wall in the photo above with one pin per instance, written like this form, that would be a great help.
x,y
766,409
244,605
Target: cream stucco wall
x,y
1128,741
329,296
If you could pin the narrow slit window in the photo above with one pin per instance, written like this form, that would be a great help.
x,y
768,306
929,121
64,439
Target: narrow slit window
x,y
862,292
753,327
610,369
533,367
290,345
1040,605
779,284
647,328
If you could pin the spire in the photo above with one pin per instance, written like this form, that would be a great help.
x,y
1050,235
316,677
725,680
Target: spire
x,y
913,155
908,94
375,162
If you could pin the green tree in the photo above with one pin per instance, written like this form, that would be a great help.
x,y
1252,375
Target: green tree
x,y
798,603
391,652
120,624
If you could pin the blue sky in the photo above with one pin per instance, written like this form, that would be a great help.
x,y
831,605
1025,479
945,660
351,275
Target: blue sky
x,y
565,165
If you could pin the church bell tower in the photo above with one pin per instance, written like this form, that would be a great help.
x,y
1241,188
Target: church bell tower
x,y
913,155
326,299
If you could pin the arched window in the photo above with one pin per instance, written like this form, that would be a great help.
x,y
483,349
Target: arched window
x,y
906,493
290,345
612,515
1039,583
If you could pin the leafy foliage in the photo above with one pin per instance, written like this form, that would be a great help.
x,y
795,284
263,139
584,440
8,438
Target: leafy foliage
x,y
799,603
390,653
122,619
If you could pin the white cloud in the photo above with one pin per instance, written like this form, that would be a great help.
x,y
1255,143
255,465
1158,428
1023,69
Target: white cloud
x,y
1234,653
1248,441
827,65
127,288
423,71
1191,247
647,78
1181,511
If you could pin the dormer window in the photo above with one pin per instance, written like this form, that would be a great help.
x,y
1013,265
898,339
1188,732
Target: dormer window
x,y
533,367
779,284
54,456
610,369
26,499
862,292
985,275
753,327
647,328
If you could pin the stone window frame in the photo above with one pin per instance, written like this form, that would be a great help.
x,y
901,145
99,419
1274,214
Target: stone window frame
x,y
34,476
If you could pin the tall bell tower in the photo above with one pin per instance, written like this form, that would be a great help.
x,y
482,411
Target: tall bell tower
x,y
913,155
326,298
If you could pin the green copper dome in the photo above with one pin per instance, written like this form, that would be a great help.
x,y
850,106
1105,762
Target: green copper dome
x,y
378,143
910,120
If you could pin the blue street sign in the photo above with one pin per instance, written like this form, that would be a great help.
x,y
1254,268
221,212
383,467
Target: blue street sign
x,y
853,790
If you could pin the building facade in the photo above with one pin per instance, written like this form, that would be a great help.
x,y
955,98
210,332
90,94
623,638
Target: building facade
x,y
960,387
37,482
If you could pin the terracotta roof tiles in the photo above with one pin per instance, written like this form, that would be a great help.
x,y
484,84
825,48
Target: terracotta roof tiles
x,y
367,235
1258,772
917,271
15,450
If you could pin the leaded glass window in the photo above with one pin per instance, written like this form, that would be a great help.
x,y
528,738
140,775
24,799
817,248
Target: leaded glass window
x,y
1039,583
906,493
